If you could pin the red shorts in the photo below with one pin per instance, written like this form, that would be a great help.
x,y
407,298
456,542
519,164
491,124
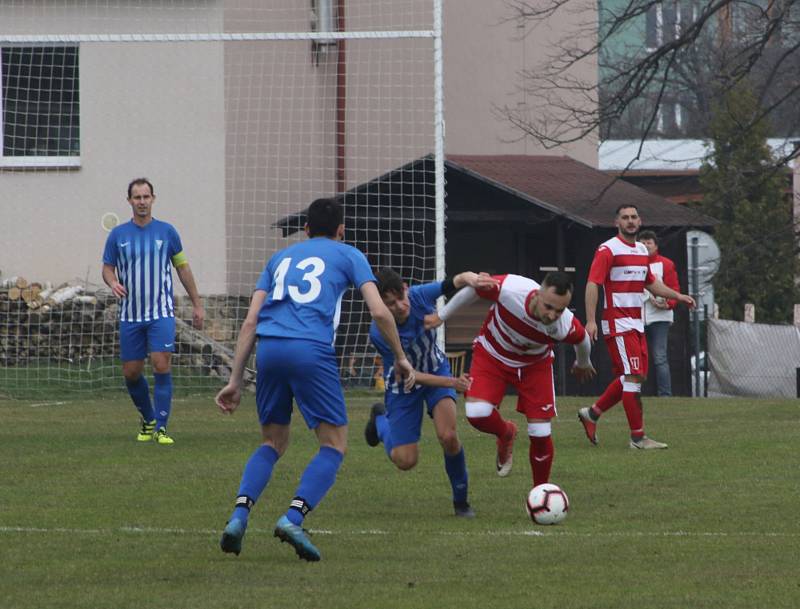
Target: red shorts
x,y
534,383
628,353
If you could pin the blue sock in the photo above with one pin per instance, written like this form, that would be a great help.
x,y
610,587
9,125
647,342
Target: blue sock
x,y
255,478
456,468
140,394
317,479
162,396
385,433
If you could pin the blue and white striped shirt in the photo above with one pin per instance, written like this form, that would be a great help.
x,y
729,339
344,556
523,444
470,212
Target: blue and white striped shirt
x,y
143,256
419,344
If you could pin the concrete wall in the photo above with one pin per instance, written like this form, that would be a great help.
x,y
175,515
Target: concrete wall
x,y
147,109
484,56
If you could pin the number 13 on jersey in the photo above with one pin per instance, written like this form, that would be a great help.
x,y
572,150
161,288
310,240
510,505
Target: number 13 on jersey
x,y
308,287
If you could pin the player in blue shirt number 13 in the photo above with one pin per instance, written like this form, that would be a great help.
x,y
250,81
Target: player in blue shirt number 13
x,y
294,312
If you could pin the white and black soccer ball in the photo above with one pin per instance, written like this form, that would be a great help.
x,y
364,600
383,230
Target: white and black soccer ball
x,y
547,504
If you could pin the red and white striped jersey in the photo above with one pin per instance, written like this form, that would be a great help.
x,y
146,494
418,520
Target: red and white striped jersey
x,y
511,335
623,271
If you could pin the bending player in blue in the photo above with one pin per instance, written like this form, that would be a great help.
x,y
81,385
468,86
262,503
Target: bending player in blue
x,y
294,312
399,425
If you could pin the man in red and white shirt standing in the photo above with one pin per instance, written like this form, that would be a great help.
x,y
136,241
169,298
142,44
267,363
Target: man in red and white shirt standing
x,y
621,266
515,347
657,313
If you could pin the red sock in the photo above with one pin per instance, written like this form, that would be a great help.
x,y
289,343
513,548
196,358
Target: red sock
x,y
541,454
633,410
611,396
493,424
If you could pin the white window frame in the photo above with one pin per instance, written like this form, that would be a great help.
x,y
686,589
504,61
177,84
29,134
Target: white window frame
x,y
31,162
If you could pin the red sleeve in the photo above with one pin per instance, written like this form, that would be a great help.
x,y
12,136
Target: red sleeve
x,y
576,332
671,280
603,258
492,293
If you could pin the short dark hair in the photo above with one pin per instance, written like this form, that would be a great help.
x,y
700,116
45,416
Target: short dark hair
x,y
324,217
560,281
647,234
625,206
139,182
389,280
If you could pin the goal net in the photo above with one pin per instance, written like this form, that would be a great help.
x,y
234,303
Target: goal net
x,y
240,112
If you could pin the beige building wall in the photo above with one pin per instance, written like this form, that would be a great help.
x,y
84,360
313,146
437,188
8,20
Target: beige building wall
x,y
483,58
147,109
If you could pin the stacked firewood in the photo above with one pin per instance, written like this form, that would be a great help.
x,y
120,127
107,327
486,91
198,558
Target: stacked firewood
x,y
75,324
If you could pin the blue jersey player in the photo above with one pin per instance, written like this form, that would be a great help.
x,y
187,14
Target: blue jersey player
x,y
294,312
137,266
398,425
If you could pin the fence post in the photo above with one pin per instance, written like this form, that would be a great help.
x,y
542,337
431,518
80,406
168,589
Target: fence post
x,y
695,288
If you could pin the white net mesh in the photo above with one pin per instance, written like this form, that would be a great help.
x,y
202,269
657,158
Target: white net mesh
x,y
240,115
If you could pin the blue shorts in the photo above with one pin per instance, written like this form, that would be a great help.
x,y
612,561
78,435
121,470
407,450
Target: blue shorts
x,y
138,338
404,410
303,370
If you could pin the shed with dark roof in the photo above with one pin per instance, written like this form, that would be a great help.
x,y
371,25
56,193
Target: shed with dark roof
x,y
513,214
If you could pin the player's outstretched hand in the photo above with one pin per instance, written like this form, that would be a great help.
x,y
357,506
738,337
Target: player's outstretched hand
x,y
687,300
404,373
432,320
485,281
479,281
462,383
228,398
583,374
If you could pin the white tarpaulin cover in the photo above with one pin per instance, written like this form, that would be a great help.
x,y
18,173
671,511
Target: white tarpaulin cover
x,y
752,360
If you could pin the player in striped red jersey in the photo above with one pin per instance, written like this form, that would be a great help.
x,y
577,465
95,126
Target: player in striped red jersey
x,y
515,347
621,266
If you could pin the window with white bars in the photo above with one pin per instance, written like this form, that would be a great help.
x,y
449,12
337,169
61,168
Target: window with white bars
x,y
40,100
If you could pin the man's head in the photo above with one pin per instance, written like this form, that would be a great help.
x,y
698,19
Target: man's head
x,y
628,222
650,241
141,197
394,292
325,218
552,298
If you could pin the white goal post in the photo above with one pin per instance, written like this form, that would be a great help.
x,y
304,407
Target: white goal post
x,y
240,112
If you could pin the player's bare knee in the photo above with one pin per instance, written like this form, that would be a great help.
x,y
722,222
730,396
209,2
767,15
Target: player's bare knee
x,y
404,459
449,441
132,370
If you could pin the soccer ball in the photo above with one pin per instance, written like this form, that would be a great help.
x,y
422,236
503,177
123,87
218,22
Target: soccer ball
x,y
547,504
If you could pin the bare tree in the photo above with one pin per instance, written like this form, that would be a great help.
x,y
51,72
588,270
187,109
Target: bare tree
x,y
663,66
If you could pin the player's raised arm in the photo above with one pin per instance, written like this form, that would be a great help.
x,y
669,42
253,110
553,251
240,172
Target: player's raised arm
x,y
386,325
659,288
229,396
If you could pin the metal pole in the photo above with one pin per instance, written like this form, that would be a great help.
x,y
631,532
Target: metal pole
x,y
438,110
705,359
693,267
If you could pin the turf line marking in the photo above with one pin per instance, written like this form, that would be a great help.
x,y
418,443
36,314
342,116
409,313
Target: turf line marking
x,y
47,404
378,532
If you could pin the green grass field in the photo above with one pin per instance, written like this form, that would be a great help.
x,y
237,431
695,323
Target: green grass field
x,y
90,518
